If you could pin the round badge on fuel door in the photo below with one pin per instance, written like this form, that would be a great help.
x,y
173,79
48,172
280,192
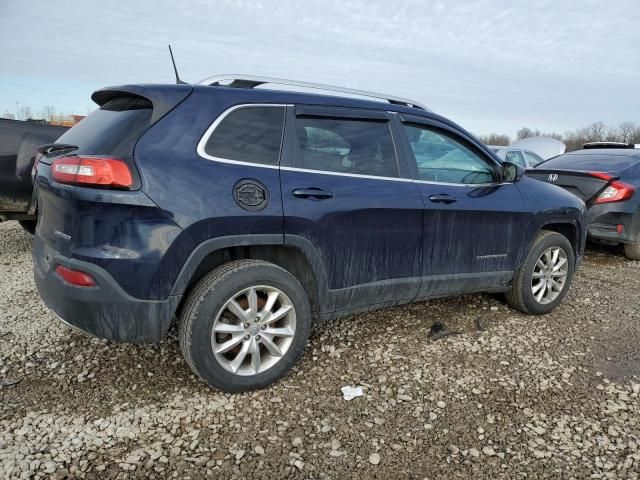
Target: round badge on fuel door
x,y
251,194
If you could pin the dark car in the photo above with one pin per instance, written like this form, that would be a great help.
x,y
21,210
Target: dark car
x,y
19,142
607,180
249,213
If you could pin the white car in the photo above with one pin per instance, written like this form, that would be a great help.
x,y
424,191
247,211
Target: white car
x,y
530,151
524,158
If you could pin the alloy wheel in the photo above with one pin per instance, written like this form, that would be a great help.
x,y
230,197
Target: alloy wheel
x,y
549,275
253,330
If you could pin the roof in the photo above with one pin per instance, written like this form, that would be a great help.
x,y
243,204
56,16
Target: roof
x,y
165,96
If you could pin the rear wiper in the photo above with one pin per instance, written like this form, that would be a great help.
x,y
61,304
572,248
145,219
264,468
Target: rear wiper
x,y
55,147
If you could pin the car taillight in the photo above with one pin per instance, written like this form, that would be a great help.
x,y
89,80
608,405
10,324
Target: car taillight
x,y
92,171
75,277
617,191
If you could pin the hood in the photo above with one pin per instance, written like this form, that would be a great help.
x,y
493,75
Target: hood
x,y
545,147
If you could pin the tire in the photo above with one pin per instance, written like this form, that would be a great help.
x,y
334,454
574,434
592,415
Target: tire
x,y
28,225
632,251
521,296
207,306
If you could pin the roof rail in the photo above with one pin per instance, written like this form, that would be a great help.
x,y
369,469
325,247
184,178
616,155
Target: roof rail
x,y
252,81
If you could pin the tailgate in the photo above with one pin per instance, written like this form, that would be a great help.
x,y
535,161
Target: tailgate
x,y
585,185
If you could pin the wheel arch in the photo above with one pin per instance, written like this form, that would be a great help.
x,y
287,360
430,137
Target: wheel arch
x,y
567,229
298,256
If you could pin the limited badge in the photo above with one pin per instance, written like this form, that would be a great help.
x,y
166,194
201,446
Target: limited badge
x,y
251,195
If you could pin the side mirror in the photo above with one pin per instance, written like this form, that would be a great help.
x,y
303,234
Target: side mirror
x,y
511,172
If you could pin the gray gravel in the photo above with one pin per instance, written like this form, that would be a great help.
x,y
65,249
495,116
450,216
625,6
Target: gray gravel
x,y
508,396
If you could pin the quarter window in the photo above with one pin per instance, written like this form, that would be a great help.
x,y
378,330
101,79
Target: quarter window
x,y
249,134
440,158
360,147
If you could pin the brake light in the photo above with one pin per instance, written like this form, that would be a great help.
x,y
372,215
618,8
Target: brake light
x,y
600,175
617,191
92,171
75,277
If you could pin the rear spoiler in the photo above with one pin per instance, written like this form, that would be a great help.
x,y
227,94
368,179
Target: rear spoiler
x,y
164,98
558,175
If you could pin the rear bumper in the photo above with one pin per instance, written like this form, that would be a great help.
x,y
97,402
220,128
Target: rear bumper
x,y
106,310
614,223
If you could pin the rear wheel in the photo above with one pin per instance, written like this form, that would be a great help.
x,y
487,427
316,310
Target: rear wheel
x,y
544,278
244,325
28,225
632,251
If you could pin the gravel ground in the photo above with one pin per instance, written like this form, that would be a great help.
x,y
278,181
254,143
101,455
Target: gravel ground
x,y
506,396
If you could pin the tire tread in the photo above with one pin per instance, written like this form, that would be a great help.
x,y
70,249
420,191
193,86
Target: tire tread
x,y
197,295
515,296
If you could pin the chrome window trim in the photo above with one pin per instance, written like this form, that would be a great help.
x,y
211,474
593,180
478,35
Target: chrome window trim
x,y
205,138
207,134
341,174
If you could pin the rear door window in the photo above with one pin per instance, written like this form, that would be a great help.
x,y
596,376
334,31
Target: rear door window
x,y
349,146
113,129
440,157
249,134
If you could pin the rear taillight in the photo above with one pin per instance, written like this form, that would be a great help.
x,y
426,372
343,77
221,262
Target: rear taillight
x,y
75,277
92,171
617,191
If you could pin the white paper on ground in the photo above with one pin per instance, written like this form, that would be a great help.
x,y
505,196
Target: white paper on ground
x,y
349,392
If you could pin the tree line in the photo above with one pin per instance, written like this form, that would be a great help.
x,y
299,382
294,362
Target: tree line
x,y
626,132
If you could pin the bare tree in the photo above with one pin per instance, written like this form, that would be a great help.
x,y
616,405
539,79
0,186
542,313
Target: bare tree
x,y
526,132
47,112
627,131
24,113
495,139
596,132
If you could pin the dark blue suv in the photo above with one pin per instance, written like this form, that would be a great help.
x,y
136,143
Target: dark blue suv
x,y
248,213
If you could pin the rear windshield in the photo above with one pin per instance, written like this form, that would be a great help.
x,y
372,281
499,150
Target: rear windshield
x,y
591,162
113,129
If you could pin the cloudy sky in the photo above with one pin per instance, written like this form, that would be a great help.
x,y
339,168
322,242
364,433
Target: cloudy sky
x,y
490,65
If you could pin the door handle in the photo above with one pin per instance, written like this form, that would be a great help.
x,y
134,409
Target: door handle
x,y
443,199
313,193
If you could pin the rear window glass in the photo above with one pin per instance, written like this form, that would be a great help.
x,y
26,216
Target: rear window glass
x,y
591,162
249,134
345,146
113,129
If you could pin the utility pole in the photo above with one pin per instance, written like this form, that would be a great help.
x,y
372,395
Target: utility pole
x,y
17,110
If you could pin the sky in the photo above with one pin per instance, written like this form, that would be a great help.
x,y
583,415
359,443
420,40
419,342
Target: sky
x,y
489,65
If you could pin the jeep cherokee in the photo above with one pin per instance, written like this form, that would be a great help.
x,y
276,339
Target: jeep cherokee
x,y
247,213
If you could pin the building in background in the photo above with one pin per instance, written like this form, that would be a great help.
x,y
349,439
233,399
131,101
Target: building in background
x,y
65,120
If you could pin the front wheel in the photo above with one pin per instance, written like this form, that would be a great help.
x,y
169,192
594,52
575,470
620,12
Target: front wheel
x,y
244,325
632,251
543,279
